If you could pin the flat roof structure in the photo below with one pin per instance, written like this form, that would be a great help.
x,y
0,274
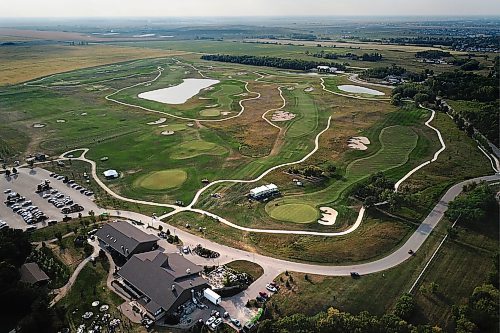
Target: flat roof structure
x,y
263,190
111,174
166,280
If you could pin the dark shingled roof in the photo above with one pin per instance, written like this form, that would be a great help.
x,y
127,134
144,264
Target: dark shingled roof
x,y
153,273
31,273
121,233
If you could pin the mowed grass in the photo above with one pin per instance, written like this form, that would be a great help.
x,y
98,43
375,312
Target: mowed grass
x,y
210,113
23,63
195,148
397,144
244,266
297,213
164,179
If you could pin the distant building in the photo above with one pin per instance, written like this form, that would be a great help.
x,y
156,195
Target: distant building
x,y
32,274
111,174
124,239
162,282
326,69
264,191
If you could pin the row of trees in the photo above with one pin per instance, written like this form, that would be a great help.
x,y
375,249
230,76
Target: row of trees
x,y
475,205
334,320
432,54
296,64
373,57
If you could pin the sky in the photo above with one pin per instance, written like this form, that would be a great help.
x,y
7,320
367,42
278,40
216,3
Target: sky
x,y
183,8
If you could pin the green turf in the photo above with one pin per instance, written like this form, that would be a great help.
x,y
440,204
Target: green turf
x,y
297,213
210,112
194,148
164,179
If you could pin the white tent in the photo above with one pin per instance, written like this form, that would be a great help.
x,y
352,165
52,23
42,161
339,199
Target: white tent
x,y
111,174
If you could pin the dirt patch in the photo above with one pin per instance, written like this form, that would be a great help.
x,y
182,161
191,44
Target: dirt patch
x,y
281,115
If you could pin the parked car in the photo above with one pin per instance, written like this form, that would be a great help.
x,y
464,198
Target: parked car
x,y
260,299
355,274
271,288
263,294
235,322
7,191
210,321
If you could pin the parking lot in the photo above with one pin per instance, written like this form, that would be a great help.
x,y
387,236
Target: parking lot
x,y
25,184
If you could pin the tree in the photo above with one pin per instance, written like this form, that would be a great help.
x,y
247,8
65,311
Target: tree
x,y
405,307
7,173
396,99
14,171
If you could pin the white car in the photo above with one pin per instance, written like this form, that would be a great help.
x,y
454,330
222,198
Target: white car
x,y
210,321
271,288
3,224
7,191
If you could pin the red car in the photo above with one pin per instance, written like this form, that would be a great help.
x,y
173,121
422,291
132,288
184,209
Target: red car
x,y
263,294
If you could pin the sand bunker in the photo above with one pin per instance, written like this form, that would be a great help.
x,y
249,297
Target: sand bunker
x,y
167,132
358,142
309,89
225,113
38,125
158,122
211,106
83,114
180,93
60,121
190,124
329,216
281,115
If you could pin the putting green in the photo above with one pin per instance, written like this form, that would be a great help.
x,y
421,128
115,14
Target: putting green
x,y
161,180
210,113
176,127
294,212
194,148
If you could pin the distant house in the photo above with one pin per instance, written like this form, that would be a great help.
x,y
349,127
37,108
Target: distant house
x,y
162,282
125,240
111,174
32,274
326,69
264,191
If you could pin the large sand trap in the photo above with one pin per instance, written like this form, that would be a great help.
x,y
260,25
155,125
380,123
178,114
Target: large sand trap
x,y
167,132
360,90
158,122
281,115
180,93
329,216
358,142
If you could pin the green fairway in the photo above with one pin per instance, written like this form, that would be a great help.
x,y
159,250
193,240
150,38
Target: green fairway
x,y
210,113
297,213
161,180
397,144
194,148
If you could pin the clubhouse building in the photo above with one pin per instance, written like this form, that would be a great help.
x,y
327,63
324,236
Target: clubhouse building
x,y
123,239
157,282
162,282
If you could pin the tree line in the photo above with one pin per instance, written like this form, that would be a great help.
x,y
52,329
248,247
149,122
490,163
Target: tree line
x,y
372,57
296,64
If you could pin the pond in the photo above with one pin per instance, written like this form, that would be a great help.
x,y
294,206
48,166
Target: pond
x,y
360,90
180,93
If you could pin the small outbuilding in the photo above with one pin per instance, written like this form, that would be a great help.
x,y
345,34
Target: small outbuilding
x,y
111,174
32,274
